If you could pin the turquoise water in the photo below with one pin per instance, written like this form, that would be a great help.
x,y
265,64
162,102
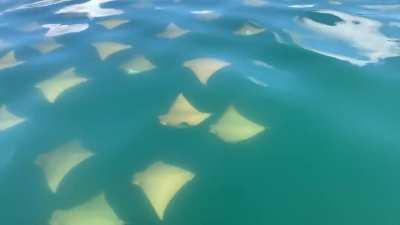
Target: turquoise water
x,y
316,81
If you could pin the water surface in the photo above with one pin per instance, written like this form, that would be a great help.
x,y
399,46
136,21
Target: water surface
x,y
319,78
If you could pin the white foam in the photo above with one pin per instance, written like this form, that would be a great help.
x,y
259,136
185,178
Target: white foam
x,y
359,36
91,8
38,4
394,7
302,6
206,14
257,81
61,29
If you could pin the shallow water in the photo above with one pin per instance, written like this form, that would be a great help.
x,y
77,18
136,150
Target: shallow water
x,y
318,79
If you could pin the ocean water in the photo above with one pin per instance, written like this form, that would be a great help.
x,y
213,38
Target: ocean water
x,y
185,112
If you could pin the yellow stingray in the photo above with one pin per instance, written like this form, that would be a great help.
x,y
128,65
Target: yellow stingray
x,y
204,68
8,120
138,64
57,163
172,31
233,127
55,86
108,48
255,3
182,112
47,46
160,182
112,23
8,60
249,29
96,211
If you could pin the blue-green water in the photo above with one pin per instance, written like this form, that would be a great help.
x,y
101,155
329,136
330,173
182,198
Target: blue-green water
x,y
322,78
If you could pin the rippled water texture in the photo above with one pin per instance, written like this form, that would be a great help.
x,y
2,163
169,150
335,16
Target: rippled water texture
x,y
184,112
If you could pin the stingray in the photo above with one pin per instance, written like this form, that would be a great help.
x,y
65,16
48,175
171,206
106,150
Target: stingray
x,y
204,68
52,88
182,112
172,31
47,46
255,3
205,15
160,182
232,127
112,23
8,120
57,163
8,60
138,64
107,48
96,211
249,29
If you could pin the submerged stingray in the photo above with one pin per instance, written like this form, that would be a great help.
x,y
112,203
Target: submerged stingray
x,y
138,64
112,23
57,163
47,46
160,182
255,3
249,29
172,31
204,68
8,60
108,48
8,120
233,127
96,211
55,86
182,112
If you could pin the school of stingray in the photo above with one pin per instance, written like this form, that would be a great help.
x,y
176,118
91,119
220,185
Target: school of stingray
x,y
159,181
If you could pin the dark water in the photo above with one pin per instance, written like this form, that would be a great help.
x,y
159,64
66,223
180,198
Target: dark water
x,y
321,77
